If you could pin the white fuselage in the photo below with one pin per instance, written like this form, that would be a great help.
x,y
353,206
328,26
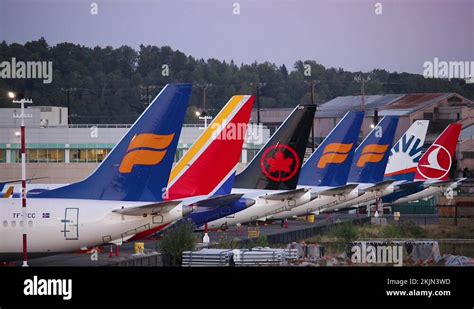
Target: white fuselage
x,y
262,208
428,192
317,204
365,198
65,225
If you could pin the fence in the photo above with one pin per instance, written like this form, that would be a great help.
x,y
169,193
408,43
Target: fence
x,y
151,259
297,235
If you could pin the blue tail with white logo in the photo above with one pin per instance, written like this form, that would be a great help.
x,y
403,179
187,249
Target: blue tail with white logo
x,y
142,160
329,165
370,158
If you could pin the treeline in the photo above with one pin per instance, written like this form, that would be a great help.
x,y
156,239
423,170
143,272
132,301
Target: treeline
x,y
110,85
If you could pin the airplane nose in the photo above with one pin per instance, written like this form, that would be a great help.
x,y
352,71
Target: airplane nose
x,y
187,210
249,202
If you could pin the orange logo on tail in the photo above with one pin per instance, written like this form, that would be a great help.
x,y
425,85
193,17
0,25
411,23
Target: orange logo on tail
x,y
334,153
372,154
136,155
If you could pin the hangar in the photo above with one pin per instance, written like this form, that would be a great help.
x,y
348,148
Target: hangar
x,y
440,108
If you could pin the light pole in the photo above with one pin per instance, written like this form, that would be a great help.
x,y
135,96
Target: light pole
x,y
22,116
258,86
360,78
313,84
204,116
147,96
68,98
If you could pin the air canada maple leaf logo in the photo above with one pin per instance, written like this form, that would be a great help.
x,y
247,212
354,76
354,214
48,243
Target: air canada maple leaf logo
x,y
279,163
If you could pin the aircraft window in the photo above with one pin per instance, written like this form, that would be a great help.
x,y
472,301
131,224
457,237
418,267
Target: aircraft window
x,y
30,223
5,223
21,223
13,223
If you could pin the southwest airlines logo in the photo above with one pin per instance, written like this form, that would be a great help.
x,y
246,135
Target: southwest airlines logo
x,y
145,149
334,153
372,153
435,164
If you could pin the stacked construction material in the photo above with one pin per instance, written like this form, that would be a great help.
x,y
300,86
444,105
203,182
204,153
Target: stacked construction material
x,y
263,257
314,252
207,257
288,254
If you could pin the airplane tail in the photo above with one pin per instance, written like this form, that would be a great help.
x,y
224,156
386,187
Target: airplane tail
x,y
209,165
437,160
406,153
371,157
277,165
142,160
329,165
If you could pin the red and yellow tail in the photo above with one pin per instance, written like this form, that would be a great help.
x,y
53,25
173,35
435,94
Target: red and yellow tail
x,y
212,159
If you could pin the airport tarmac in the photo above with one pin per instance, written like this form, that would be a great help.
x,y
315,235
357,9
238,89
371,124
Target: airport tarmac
x,y
126,254
277,228
152,258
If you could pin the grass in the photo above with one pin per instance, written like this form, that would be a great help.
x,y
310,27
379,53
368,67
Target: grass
x,y
335,240
348,232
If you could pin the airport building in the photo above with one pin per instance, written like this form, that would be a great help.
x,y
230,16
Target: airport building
x,y
440,108
65,153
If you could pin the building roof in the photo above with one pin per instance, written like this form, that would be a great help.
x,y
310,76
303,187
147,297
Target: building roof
x,y
390,104
337,107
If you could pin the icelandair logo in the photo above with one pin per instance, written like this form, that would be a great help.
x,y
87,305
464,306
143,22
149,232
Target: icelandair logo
x,y
145,149
334,153
372,153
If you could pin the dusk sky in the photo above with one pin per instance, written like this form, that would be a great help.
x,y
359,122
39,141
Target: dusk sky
x,y
335,33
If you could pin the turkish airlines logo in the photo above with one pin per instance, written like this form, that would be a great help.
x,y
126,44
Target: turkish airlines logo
x,y
280,163
436,163
372,153
335,154
145,149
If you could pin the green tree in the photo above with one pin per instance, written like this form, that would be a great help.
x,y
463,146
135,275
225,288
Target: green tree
x,y
177,239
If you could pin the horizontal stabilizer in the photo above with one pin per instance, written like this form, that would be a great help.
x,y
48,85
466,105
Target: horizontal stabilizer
x,y
380,185
150,209
445,183
409,185
337,190
120,241
217,201
285,194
